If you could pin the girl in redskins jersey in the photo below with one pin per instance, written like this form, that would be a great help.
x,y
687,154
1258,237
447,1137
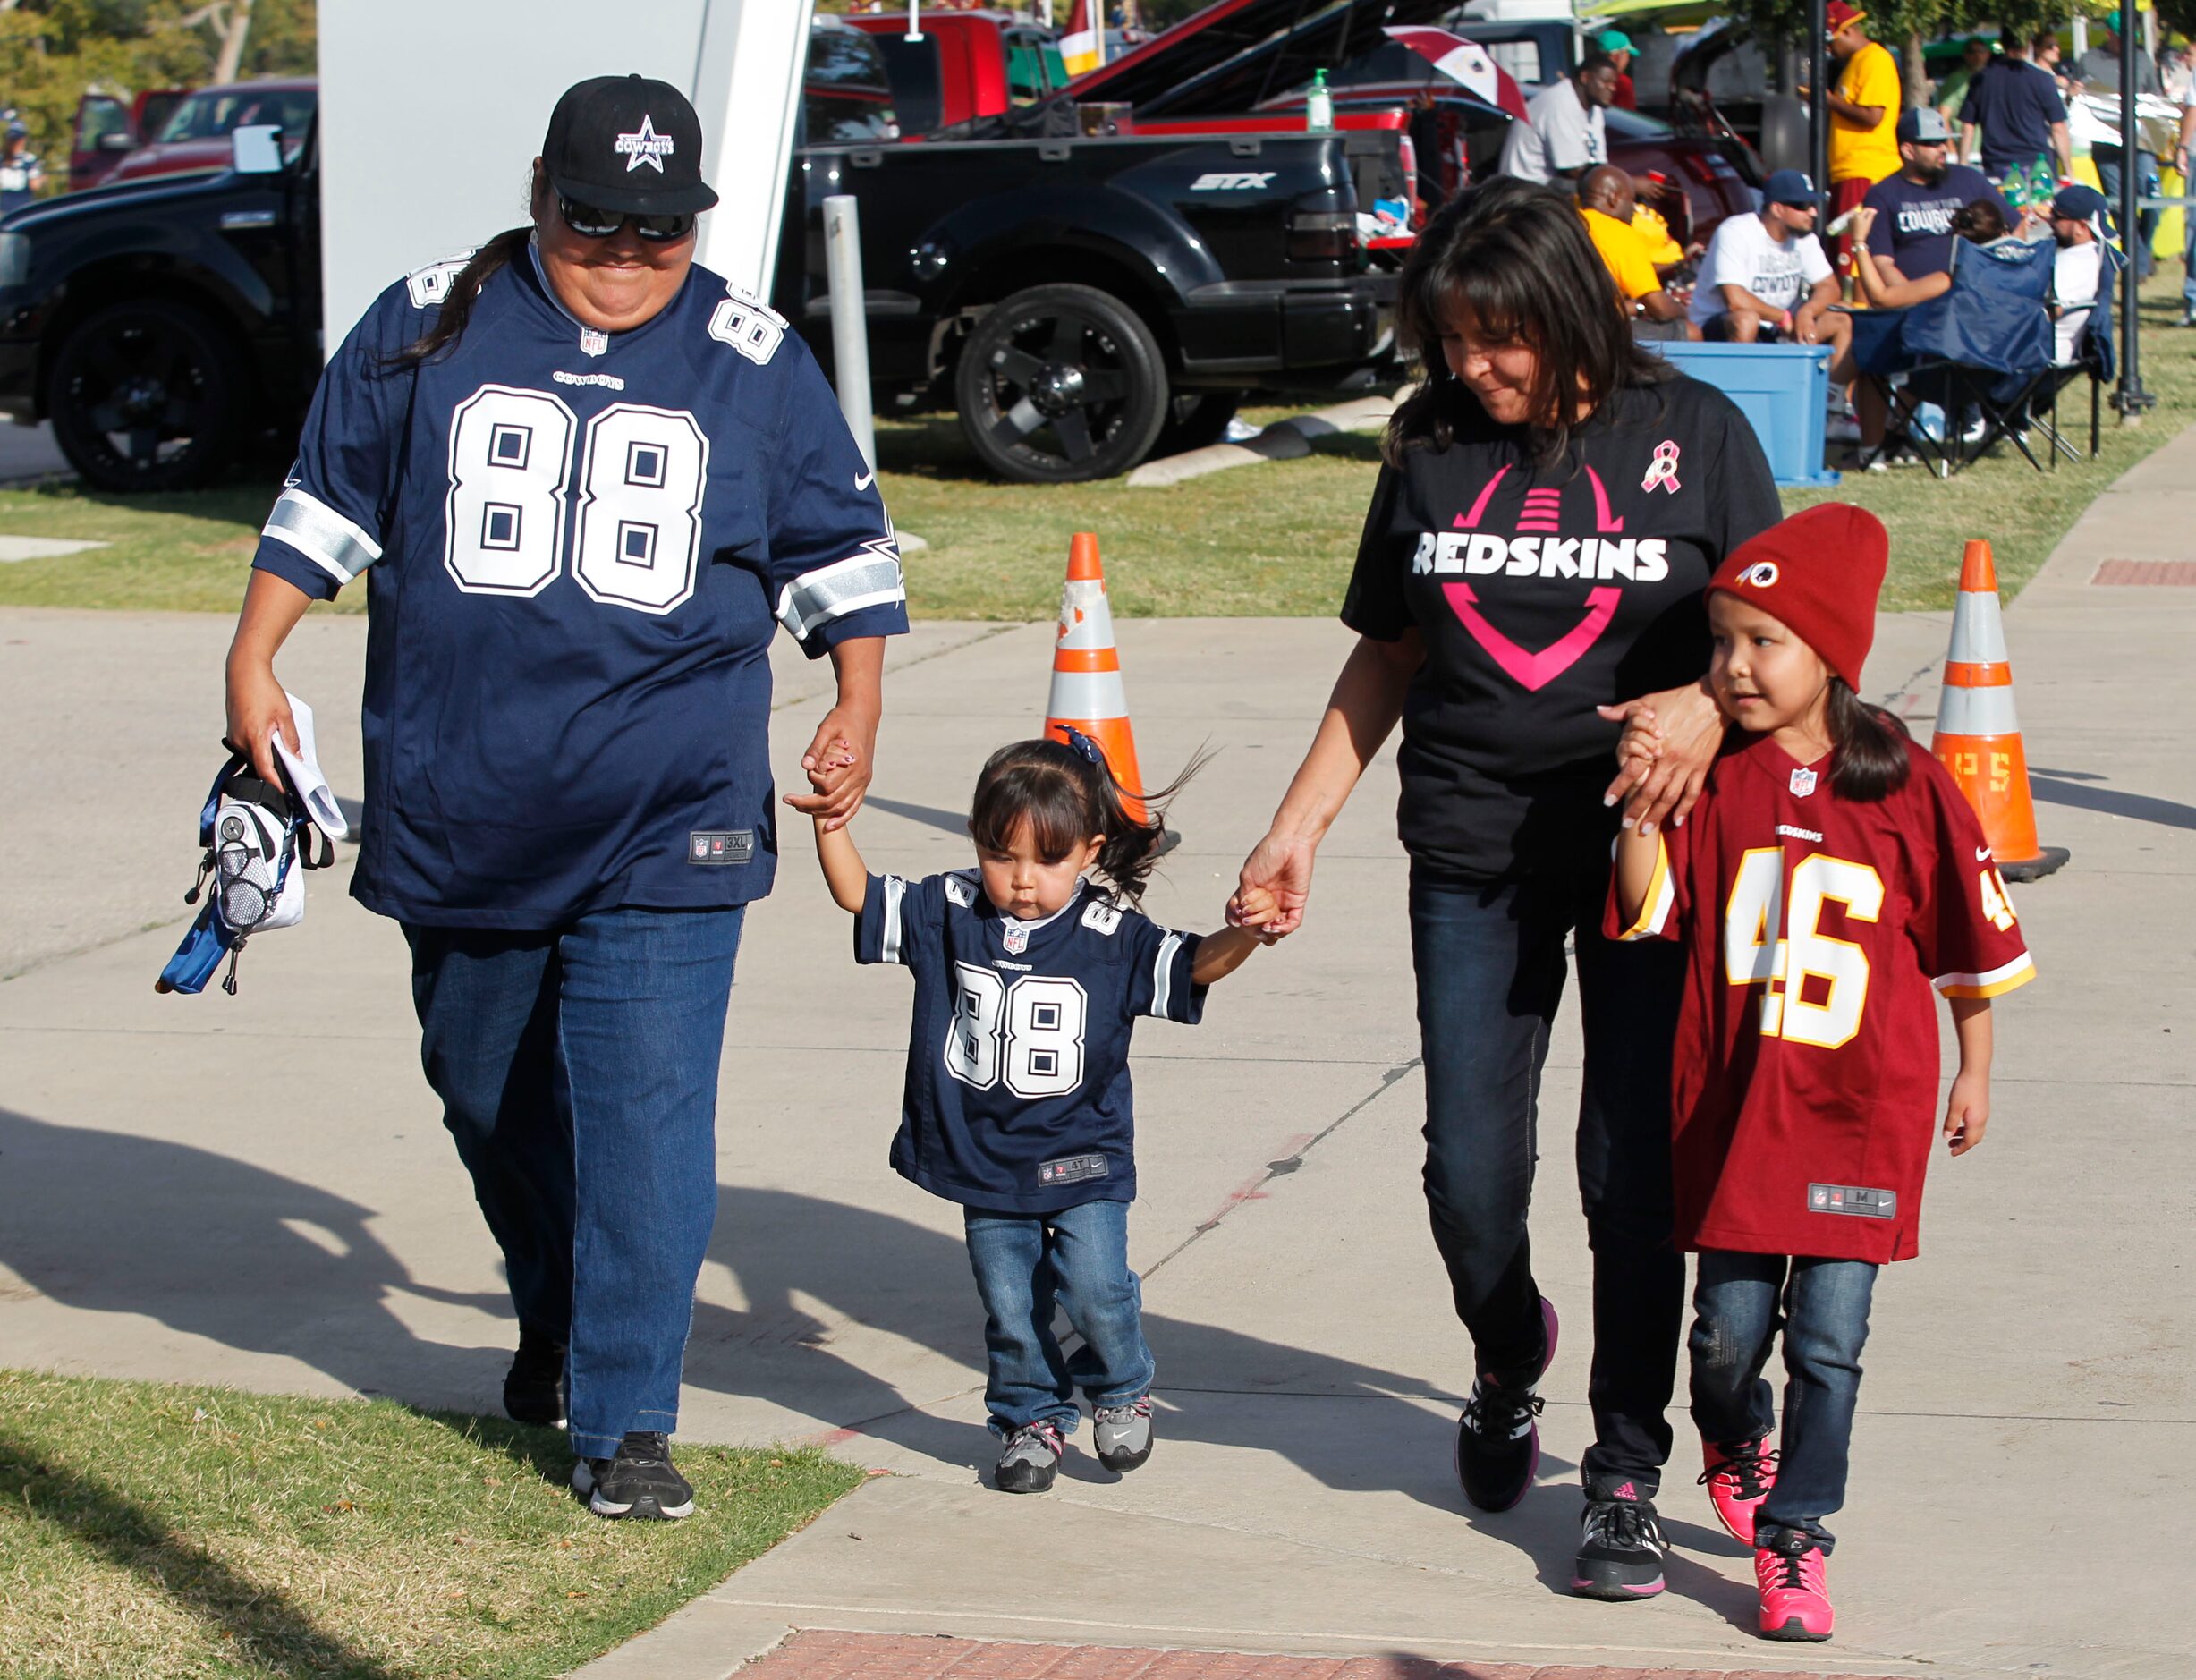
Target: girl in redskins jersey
x,y
1830,876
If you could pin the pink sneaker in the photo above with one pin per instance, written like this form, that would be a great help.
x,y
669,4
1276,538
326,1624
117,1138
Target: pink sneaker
x,y
1795,1594
1738,1478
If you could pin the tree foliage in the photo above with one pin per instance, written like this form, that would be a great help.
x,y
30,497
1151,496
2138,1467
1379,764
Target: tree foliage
x,y
52,52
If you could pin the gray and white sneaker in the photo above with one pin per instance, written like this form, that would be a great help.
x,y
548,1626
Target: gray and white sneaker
x,y
1123,1434
1031,1458
641,1481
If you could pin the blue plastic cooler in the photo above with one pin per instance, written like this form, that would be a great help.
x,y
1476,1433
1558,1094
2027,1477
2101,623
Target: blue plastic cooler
x,y
1783,390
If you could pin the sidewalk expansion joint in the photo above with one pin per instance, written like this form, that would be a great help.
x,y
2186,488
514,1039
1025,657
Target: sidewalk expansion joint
x,y
1288,1164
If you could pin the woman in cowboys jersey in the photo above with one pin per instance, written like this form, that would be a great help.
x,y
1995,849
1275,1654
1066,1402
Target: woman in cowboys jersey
x,y
1536,551
586,481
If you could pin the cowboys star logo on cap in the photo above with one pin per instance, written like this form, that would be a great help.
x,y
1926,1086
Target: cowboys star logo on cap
x,y
645,147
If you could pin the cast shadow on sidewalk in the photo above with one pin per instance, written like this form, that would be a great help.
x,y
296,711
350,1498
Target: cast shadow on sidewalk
x,y
246,1258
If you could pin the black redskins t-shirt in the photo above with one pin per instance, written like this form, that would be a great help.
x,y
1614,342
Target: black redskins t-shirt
x,y
1542,592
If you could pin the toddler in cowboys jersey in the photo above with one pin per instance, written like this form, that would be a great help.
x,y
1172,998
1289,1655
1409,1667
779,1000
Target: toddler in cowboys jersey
x,y
1027,982
1829,877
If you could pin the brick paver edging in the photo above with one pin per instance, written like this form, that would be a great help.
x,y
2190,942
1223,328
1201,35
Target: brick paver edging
x,y
820,1655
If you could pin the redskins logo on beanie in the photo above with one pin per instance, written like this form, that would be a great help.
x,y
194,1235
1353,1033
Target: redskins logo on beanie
x,y
1817,573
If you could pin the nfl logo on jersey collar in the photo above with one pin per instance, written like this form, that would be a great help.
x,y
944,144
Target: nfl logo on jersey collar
x,y
594,344
1803,782
1016,938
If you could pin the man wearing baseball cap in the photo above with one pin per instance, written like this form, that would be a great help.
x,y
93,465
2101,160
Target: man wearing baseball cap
x,y
583,481
1618,46
1914,207
1764,278
1863,106
2081,225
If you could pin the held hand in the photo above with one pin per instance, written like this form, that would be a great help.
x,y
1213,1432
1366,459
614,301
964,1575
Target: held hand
x,y
1863,218
257,708
1692,729
1253,908
838,764
1276,873
1967,1112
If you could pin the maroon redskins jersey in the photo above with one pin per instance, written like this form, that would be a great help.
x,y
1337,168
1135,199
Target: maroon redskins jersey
x,y
1804,1093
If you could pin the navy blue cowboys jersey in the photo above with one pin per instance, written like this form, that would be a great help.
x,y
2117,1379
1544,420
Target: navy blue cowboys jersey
x,y
577,547
1018,1062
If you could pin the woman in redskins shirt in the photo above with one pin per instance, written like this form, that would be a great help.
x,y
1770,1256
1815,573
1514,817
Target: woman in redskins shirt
x,y
1554,502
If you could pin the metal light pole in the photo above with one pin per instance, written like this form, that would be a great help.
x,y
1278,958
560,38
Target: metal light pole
x,y
2130,399
1818,93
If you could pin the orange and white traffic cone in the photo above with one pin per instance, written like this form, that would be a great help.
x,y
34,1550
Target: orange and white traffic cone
x,y
1086,672
1977,736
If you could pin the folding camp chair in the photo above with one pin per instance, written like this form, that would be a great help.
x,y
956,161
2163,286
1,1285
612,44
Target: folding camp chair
x,y
2095,358
1982,345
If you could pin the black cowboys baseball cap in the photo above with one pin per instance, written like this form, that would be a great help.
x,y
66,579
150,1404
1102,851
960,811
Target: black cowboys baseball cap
x,y
629,144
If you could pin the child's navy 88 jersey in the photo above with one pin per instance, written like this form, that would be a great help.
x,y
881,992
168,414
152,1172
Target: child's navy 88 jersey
x,y
1018,1062
577,547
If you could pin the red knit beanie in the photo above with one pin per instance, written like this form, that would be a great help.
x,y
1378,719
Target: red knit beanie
x,y
1817,573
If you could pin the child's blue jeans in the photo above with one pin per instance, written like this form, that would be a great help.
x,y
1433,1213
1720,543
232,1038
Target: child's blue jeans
x,y
1076,1260
1739,1303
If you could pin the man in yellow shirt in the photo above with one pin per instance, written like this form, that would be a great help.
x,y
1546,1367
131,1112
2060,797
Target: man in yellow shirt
x,y
1864,113
1606,200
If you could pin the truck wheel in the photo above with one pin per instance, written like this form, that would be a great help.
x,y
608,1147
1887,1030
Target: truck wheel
x,y
147,396
1195,419
1061,384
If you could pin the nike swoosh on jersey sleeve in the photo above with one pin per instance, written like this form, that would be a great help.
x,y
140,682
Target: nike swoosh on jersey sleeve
x,y
870,578
338,546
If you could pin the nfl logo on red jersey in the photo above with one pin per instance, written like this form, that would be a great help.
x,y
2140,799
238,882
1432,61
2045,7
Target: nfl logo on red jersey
x,y
1803,783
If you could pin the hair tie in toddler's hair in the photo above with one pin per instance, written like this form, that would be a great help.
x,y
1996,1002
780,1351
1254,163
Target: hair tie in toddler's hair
x,y
1083,744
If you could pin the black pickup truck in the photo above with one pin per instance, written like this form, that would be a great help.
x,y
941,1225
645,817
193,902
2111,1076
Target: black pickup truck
x,y
1074,297
1080,300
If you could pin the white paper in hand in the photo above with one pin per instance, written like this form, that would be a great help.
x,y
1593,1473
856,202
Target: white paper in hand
x,y
304,767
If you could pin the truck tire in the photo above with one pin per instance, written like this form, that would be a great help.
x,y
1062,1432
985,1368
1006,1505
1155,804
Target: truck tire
x,y
1061,384
1195,419
146,394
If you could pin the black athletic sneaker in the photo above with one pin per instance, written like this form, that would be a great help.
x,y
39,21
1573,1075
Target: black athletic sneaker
x,y
1497,1441
534,1387
641,1481
1621,1555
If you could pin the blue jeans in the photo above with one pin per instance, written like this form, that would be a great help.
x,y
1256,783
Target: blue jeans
x,y
2108,161
1741,1300
578,1074
1027,1264
1489,960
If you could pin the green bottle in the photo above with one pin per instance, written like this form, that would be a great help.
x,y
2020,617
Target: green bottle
x,y
1319,105
2047,181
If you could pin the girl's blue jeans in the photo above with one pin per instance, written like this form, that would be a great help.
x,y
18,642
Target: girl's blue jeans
x,y
578,1073
1075,1260
1741,1302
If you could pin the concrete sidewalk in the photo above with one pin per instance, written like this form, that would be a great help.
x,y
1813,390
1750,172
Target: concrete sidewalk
x,y
2022,1455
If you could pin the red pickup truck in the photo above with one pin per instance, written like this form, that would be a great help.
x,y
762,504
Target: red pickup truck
x,y
966,65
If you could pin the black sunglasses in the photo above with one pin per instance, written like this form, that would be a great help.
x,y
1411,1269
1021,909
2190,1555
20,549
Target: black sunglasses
x,y
590,223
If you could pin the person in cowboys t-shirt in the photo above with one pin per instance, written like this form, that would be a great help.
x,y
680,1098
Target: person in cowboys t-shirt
x,y
1553,504
583,481
1915,206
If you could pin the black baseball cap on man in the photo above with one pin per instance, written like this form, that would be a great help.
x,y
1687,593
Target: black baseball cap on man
x,y
629,144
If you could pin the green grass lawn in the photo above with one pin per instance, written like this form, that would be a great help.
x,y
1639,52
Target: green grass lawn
x,y
1274,538
148,1529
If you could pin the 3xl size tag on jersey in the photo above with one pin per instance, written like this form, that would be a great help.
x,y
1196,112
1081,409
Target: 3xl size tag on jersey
x,y
1071,1169
1867,1204
720,845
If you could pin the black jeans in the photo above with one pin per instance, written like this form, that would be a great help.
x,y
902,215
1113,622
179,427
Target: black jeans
x,y
1489,962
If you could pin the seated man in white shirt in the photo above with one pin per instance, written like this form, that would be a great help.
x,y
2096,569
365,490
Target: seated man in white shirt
x,y
1764,278
1564,133
2077,272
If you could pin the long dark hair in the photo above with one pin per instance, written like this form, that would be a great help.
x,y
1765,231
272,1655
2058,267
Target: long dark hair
x,y
1868,747
457,304
1979,222
1519,258
1067,795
